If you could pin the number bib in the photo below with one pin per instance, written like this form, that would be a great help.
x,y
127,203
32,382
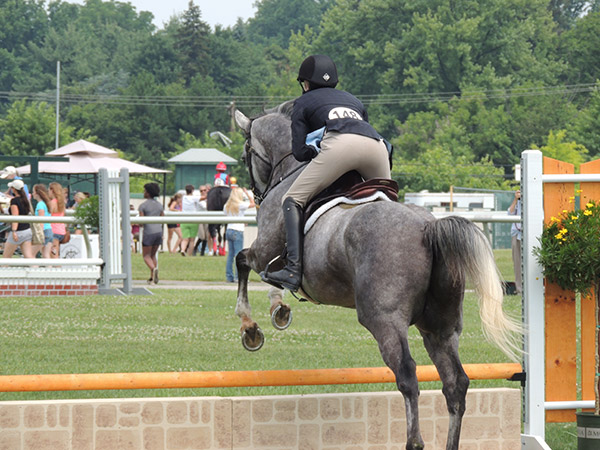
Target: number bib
x,y
341,112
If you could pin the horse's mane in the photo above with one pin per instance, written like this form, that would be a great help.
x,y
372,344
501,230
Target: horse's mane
x,y
285,109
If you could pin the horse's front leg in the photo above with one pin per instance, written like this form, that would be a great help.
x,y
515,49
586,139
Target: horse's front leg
x,y
281,314
252,336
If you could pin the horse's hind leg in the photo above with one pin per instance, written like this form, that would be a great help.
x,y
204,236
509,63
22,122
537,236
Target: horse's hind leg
x,y
443,351
441,327
252,336
393,345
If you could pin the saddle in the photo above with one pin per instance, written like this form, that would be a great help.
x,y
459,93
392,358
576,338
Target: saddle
x,y
351,186
353,189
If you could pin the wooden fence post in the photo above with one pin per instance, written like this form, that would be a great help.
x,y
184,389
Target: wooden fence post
x,y
560,313
589,192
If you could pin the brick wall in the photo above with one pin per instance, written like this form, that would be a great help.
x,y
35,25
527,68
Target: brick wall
x,y
373,421
35,281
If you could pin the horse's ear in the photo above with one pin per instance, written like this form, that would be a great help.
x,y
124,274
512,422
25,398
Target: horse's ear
x,y
286,108
241,120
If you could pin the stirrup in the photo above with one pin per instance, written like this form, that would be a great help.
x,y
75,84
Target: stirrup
x,y
263,277
278,261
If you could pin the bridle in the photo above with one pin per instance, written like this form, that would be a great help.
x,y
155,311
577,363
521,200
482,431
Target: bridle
x,y
250,152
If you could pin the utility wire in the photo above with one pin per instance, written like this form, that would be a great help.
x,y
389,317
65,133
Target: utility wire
x,y
225,101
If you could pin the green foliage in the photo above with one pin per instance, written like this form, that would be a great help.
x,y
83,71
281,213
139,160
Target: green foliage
x,y
569,252
469,78
585,126
88,212
276,20
437,169
192,43
30,129
557,148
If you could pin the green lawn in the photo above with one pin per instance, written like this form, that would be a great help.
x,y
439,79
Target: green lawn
x,y
187,330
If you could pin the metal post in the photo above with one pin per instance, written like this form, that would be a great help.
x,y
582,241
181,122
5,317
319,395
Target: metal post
x,y
126,231
104,206
533,294
57,100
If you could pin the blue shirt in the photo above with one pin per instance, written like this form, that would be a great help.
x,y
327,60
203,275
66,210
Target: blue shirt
x,y
41,206
515,229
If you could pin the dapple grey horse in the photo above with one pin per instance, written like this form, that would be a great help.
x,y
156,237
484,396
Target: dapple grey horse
x,y
410,270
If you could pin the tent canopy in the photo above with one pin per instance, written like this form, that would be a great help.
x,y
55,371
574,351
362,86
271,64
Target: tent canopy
x,y
87,157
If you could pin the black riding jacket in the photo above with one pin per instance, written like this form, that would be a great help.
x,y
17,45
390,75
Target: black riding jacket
x,y
327,107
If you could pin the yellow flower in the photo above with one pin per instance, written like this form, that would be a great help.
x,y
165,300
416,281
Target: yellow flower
x,y
554,219
578,191
571,199
587,212
574,217
589,205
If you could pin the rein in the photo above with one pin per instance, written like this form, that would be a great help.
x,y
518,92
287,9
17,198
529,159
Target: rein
x,y
251,151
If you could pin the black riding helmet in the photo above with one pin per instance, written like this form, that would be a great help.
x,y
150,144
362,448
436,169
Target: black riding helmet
x,y
319,71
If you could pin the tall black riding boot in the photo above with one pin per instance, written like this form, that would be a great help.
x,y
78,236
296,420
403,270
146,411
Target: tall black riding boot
x,y
290,277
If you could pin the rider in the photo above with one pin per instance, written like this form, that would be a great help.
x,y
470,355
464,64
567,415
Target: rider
x,y
329,129
221,169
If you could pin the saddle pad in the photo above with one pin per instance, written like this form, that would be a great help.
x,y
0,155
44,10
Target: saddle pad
x,y
345,201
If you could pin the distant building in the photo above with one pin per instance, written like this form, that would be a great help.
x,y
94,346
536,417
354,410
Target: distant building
x,y
441,201
197,166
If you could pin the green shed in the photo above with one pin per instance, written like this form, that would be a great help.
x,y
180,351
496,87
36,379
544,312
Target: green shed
x,y
197,166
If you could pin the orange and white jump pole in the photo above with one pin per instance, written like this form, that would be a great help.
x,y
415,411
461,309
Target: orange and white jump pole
x,y
173,380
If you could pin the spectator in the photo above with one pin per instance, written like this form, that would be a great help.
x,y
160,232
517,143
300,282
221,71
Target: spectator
x,y
516,234
236,206
189,231
174,228
42,196
135,233
153,232
77,199
57,209
21,232
203,234
10,173
69,203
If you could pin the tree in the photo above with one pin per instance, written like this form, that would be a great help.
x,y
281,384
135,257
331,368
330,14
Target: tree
x,y
580,46
30,129
438,47
192,43
437,169
567,13
558,148
276,20
585,126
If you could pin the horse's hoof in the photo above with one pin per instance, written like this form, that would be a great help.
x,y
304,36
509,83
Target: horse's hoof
x,y
253,340
281,317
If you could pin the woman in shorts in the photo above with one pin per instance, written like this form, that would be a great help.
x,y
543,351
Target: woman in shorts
x,y
153,232
189,204
20,235
174,228
57,209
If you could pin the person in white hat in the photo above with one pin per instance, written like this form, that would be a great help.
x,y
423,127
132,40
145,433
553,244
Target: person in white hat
x,y
20,234
10,173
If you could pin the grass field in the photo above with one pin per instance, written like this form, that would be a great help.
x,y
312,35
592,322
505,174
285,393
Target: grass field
x,y
187,330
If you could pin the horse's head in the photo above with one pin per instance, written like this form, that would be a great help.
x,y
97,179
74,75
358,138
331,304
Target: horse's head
x,y
268,143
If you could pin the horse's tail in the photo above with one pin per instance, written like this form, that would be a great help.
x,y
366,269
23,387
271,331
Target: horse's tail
x,y
466,252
